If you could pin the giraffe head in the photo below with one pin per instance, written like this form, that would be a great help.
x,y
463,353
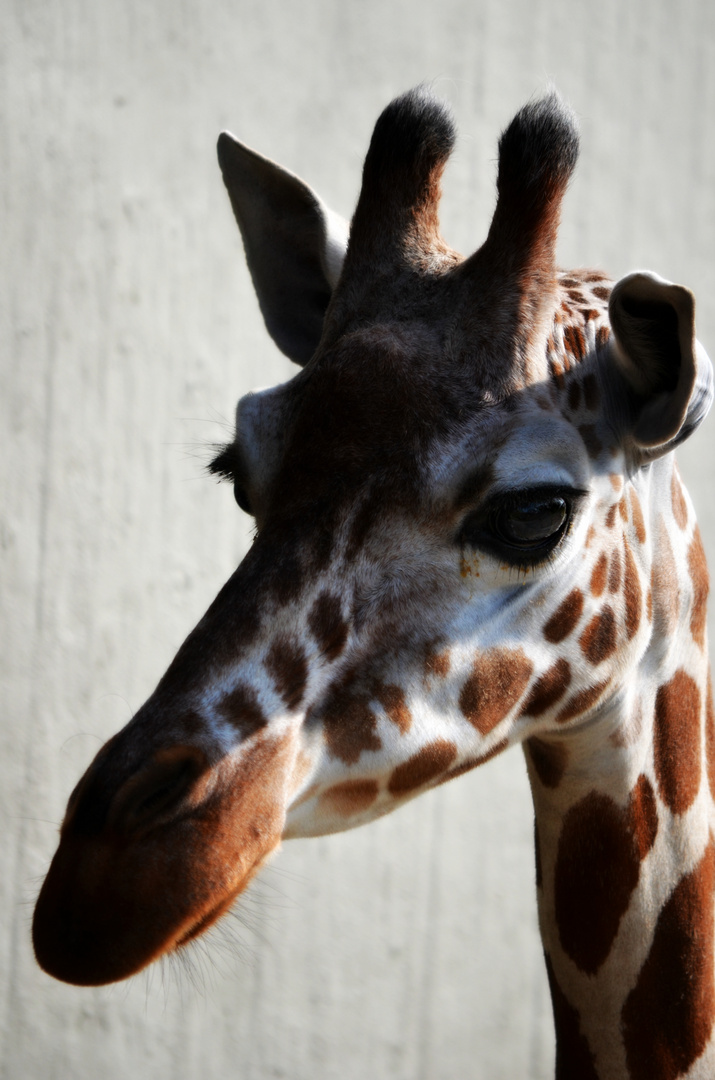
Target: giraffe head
x,y
435,494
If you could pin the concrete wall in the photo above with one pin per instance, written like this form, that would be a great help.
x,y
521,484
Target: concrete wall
x,y
129,329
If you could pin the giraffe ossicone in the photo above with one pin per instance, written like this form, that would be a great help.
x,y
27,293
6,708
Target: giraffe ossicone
x,y
470,533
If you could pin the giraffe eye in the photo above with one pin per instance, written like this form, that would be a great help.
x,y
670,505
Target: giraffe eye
x,y
241,498
523,527
532,523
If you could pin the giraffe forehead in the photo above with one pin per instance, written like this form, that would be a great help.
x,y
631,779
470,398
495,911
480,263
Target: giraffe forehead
x,y
392,391
385,379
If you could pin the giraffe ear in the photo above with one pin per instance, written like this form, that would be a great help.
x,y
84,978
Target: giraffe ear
x,y
666,369
294,244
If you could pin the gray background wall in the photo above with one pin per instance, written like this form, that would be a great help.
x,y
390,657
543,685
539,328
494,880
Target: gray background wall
x,y
128,330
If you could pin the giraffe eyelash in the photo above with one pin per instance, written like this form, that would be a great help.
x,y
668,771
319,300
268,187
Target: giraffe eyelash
x,y
224,464
227,465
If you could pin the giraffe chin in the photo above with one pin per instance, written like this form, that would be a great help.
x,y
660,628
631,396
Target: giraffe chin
x,y
113,902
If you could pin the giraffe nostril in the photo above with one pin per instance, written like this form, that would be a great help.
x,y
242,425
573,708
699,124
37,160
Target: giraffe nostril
x,y
158,790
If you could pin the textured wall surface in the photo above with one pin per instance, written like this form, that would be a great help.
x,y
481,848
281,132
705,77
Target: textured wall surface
x,y
128,329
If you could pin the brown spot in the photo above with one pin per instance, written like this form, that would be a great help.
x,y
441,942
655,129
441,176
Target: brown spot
x,y
599,638
649,604
549,760
467,766
581,702
601,292
557,376
700,578
566,357
623,508
327,625
590,536
616,481
565,618
680,506
632,594
191,722
710,735
574,395
429,762
591,441
350,797
603,335
643,816
664,583
574,341
676,742
614,576
590,392
598,575
349,724
240,708
288,667
437,664
638,522
392,699
286,581
668,1015
547,689
574,1058
611,516
597,867
499,678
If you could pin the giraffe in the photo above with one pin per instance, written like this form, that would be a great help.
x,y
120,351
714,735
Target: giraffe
x,y
470,533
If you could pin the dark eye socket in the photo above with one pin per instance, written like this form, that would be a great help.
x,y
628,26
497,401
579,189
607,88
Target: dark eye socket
x,y
522,527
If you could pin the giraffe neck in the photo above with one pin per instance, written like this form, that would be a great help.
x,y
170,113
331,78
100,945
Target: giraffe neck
x,y
626,857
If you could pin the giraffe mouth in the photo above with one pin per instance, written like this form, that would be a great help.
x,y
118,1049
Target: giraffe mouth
x,y
108,933
113,903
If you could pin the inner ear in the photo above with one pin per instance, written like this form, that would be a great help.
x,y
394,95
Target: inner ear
x,y
648,330
656,353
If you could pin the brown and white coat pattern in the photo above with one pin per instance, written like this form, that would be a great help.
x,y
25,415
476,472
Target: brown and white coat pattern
x,y
470,533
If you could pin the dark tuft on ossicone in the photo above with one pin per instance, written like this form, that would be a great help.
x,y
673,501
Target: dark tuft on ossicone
x,y
416,132
396,222
539,149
